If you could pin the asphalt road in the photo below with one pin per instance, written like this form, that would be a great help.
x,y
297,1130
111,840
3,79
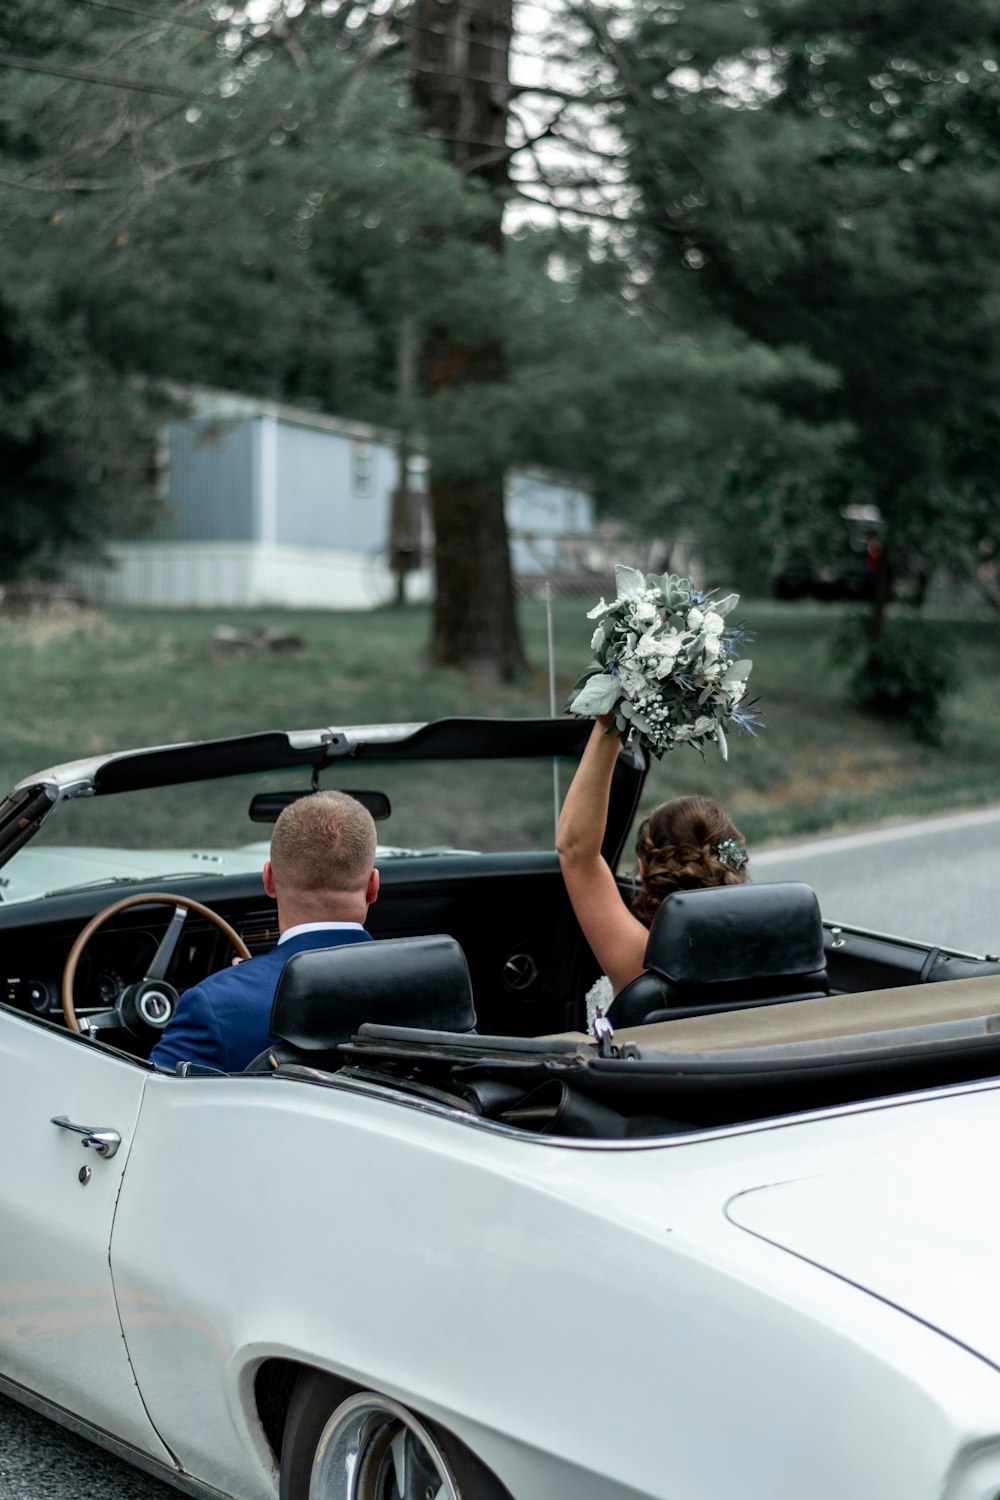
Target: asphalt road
x,y
40,1461
937,881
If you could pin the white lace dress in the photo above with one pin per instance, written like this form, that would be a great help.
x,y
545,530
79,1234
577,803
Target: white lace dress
x,y
600,994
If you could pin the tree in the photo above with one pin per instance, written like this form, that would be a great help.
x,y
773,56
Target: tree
x,y
459,53
827,176
262,206
201,202
74,451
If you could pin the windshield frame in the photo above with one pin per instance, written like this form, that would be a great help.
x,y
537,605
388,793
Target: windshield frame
x,y
33,801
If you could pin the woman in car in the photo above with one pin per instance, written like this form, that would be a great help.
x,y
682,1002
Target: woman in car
x,y
682,845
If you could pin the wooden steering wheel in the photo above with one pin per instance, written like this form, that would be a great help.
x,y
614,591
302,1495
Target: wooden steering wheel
x,y
145,1006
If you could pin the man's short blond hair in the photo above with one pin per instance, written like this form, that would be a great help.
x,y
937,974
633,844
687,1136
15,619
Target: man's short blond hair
x,y
323,842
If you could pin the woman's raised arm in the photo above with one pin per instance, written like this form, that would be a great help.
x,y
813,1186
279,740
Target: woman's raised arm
x,y
617,938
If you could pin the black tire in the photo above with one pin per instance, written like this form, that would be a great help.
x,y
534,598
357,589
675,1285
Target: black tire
x,y
323,1402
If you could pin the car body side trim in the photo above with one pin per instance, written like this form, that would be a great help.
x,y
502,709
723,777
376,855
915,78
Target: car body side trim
x,y
139,1460
699,1135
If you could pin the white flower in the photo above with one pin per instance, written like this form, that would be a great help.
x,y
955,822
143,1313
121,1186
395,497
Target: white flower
x,y
712,646
714,623
644,610
654,644
631,676
703,725
659,653
695,618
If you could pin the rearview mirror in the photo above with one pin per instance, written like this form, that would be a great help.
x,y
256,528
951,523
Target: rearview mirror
x,y
265,807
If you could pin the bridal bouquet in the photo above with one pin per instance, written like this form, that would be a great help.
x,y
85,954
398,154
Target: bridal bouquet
x,y
666,664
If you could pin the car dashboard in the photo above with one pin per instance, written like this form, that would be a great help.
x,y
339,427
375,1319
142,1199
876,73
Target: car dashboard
x,y
528,962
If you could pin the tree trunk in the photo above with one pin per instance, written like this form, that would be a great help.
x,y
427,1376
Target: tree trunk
x,y
461,55
475,626
881,596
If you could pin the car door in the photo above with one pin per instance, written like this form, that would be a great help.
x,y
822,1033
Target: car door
x,y
60,1334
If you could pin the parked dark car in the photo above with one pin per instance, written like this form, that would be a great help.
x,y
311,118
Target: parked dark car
x,y
846,565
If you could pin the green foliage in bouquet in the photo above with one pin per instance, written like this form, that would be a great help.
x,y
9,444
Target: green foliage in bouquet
x,y
665,664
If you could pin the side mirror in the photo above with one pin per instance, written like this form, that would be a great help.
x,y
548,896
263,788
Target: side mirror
x,y
266,806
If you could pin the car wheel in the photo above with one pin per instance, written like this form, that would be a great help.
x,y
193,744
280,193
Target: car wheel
x,y
341,1443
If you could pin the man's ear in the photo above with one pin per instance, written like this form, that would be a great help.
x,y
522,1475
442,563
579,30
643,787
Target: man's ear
x,y
267,875
371,890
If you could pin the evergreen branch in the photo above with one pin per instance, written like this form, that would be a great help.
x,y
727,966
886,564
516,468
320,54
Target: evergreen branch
x,y
368,57
86,75
66,185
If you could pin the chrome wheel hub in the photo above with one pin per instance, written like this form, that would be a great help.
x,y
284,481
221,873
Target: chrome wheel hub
x,y
374,1449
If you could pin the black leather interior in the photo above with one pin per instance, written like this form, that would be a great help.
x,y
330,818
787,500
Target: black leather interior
x,y
728,945
325,994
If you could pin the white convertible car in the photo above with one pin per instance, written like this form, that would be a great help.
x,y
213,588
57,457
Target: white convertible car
x,y
440,1244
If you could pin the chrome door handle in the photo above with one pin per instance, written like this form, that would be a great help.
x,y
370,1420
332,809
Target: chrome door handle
x,y
104,1140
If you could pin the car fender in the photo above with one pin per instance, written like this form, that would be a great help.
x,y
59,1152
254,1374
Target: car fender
x,y
473,1273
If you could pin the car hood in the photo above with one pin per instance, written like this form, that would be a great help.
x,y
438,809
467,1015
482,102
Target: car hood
x,y
921,1234
43,872
64,868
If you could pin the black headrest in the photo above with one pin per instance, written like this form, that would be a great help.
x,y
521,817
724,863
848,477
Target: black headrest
x,y
325,994
732,934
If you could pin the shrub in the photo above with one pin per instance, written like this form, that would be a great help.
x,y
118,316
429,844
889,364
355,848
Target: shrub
x,y
905,675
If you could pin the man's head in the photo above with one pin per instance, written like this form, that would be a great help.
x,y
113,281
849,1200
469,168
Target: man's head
x,y
322,861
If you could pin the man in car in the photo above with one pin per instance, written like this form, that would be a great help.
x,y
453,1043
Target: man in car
x,y
322,875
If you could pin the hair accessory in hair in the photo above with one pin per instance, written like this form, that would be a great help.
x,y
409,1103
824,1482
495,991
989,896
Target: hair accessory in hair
x,y
732,853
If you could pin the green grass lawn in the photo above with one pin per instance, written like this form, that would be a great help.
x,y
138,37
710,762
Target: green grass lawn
x,y
76,686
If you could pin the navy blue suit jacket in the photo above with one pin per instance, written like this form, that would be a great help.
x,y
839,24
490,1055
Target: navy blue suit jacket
x,y
225,1020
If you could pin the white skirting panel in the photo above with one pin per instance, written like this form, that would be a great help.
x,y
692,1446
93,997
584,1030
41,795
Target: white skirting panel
x,y
239,575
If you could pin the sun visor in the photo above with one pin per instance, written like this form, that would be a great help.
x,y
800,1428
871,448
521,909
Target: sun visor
x,y
206,760
278,750
480,739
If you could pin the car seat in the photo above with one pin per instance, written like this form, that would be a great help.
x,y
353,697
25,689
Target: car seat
x,y
325,994
727,947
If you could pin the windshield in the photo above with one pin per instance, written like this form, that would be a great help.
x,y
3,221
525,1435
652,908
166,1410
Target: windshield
x,y
204,827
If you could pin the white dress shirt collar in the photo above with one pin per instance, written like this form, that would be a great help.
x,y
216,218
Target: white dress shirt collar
x,y
291,932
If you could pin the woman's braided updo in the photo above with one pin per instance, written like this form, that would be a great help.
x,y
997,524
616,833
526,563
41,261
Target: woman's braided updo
x,y
678,846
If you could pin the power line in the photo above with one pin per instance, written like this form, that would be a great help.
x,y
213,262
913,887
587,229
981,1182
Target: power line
x,y
139,85
131,9
514,47
85,75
